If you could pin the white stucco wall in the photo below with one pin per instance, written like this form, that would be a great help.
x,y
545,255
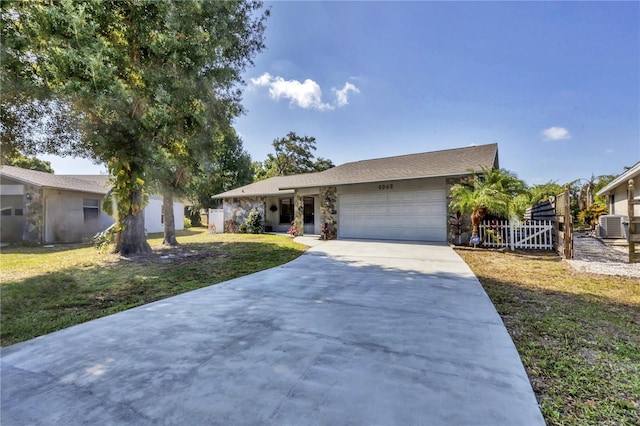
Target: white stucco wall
x,y
216,220
153,215
620,206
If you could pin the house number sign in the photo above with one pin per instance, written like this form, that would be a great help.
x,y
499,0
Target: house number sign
x,y
385,186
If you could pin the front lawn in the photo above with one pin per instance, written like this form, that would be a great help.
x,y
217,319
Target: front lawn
x,y
578,334
46,289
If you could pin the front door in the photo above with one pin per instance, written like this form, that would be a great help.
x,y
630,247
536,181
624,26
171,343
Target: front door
x,y
309,223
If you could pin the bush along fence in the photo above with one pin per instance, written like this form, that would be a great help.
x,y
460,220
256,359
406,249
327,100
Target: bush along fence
x,y
534,235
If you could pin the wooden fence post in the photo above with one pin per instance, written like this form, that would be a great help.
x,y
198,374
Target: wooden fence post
x,y
633,220
568,224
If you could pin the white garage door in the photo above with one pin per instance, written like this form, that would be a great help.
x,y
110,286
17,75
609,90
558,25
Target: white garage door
x,y
391,215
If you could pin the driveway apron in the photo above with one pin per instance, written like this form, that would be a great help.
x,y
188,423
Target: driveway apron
x,y
350,333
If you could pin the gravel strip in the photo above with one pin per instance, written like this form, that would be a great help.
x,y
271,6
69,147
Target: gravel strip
x,y
607,268
593,256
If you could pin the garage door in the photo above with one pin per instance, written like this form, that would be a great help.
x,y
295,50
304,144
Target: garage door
x,y
391,215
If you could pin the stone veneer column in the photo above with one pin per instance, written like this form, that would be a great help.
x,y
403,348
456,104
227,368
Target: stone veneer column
x,y
298,213
34,215
328,209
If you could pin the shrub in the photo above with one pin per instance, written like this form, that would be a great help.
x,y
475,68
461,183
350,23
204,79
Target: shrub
x,y
187,223
591,215
103,239
242,229
254,222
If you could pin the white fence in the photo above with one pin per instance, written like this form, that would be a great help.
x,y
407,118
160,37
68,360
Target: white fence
x,y
216,221
528,235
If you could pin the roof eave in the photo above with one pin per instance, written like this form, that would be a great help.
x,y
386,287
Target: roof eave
x,y
86,191
261,194
355,182
619,180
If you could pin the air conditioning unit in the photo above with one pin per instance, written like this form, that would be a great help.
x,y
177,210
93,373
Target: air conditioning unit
x,y
611,226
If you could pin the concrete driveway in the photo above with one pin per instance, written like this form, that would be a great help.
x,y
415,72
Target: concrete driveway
x,y
351,333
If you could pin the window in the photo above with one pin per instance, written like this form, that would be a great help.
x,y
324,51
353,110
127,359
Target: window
x,y
6,211
612,204
286,210
17,212
91,209
162,218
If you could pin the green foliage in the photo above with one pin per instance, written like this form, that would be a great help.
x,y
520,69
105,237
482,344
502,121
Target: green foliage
x,y
228,166
253,223
187,223
543,191
193,213
102,240
489,192
242,229
591,215
533,195
583,192
293,155
503,181
147,84
11,157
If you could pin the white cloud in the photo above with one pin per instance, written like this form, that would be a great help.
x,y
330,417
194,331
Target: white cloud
x,y
307,95
556,133
263,80
342,94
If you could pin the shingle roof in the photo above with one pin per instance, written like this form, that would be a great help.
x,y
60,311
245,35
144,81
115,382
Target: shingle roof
x,y
81,183
450,162
264,187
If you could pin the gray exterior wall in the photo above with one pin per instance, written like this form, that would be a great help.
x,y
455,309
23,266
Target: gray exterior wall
x,y
48,215
65,220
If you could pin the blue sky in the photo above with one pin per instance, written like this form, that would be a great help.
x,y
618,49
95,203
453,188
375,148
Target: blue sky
x,y
555,84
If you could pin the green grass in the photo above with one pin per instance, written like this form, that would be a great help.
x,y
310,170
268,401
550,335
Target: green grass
x,y
46,289
578,334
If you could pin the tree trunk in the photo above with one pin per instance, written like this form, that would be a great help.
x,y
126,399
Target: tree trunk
x,y
476,219
169,220
132,239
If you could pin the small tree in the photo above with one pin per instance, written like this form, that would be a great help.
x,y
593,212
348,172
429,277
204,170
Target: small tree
x,y
489,192
591,215
478,200
254,222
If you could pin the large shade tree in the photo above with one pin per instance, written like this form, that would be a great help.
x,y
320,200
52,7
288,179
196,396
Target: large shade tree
x,y
292,155
139,78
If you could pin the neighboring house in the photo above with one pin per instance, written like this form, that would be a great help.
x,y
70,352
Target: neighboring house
x,y
49,208
616,190
399,198
613,224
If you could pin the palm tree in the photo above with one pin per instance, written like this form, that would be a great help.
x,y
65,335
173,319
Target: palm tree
x,y
489,192
478,200
503,180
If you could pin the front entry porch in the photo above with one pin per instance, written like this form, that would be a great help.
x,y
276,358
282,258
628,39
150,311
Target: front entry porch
x,y
281,214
